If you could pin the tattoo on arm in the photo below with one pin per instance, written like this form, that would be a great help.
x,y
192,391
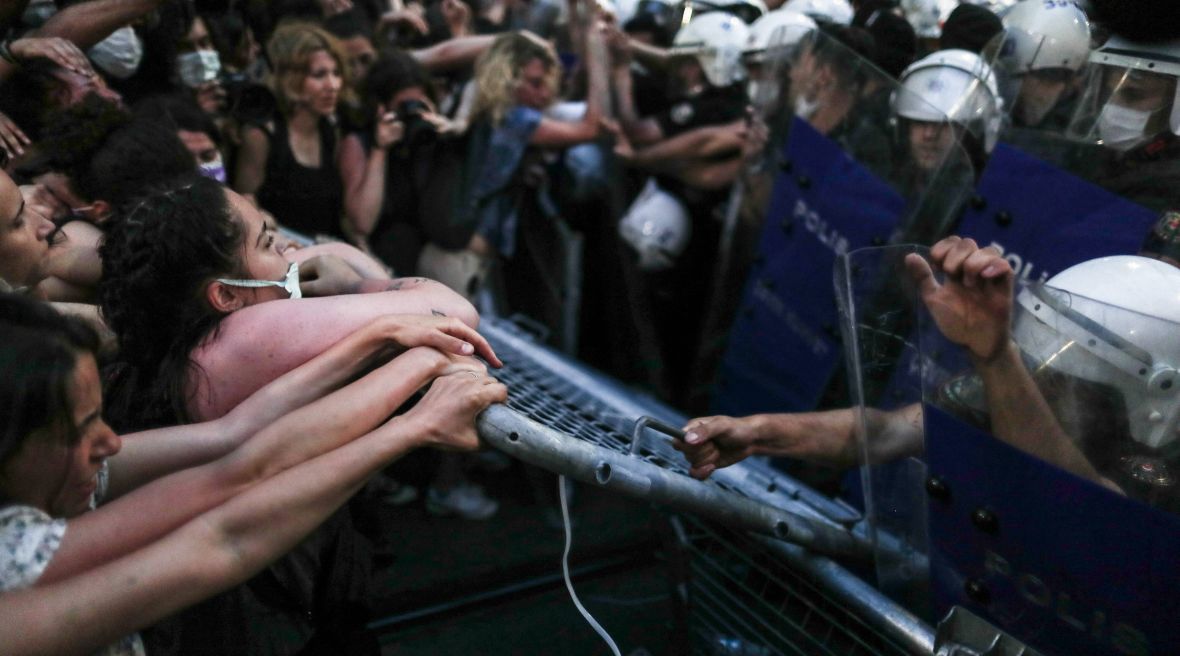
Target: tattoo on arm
x,y
437,313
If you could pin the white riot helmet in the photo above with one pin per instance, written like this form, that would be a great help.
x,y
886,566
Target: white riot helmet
x,y
927,16
956,85
747,10
823,11
1154,58
657,226
1113,321
780,28
716,40
1040,35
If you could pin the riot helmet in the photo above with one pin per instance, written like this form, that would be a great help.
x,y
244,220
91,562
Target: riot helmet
x,y
1132,95
657,227
954,86
769,36
747,10
1044,46
716,40
823,11
1110,324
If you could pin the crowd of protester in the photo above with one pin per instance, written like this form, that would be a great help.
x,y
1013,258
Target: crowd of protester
x,y
243,234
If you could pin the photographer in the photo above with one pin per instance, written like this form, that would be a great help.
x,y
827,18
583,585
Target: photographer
x,y
397,174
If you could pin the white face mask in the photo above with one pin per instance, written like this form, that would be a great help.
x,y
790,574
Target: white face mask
x,y
119,54
198,67
804,108
290,283
1122,128
214,170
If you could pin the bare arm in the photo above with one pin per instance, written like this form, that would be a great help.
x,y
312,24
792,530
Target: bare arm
x,y
364,265
246,355
711,176
827,437
640,131
250,172
972,308
452,54
87,23
150,512
364,184
232,542
148,455
561,134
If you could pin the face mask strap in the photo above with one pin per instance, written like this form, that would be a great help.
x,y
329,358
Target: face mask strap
x,y
290,283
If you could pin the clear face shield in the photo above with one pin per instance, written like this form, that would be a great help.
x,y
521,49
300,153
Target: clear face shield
x,y
1093,391
289,283
1113,394
1122,107
1038,78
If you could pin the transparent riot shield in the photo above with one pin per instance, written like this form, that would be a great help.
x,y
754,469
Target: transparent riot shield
x,y
842,176
1113,125
880,323
1052,489
1041,198
1034,485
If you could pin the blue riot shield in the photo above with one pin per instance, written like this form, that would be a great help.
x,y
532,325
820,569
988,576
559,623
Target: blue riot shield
x,y
1038,490
842,180
1042,217
1052,512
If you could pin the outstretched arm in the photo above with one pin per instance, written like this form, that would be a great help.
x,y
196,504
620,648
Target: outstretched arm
x,y
258,344
147,513
230,543
972,308
150,454
827,437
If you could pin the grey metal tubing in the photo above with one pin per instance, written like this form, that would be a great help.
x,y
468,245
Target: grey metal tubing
x,y
531,442
862,599
647,421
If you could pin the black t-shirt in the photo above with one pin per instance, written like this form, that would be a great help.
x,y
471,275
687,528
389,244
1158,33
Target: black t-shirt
x,y
713,106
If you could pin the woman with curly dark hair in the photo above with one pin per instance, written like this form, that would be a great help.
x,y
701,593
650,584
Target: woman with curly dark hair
x,y
185,512
191,276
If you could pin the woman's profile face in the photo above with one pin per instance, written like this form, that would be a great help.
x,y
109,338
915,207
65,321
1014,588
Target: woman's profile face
x,y
24,237
261,250
322,84
49,473
532,86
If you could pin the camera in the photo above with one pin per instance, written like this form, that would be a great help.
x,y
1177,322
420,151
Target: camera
x,y
418,129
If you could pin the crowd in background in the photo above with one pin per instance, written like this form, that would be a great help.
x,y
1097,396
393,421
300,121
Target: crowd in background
x,y
173,169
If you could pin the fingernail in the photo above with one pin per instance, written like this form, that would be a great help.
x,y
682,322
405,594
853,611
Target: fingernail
x,y
468,349
991,270
692,438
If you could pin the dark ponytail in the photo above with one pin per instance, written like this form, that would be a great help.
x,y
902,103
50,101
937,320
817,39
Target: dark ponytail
x,y
157,261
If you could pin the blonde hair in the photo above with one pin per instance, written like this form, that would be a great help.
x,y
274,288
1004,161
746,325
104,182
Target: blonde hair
x,y
290,50
497,72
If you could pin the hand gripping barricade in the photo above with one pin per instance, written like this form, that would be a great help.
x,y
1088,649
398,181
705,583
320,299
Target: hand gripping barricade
x,y
746,591
1008,499
845,178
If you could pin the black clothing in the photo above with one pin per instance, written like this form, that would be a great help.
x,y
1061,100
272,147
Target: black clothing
x,y
309,200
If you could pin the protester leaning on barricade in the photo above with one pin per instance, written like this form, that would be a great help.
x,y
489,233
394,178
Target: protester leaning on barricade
x,y
183,534
193,319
